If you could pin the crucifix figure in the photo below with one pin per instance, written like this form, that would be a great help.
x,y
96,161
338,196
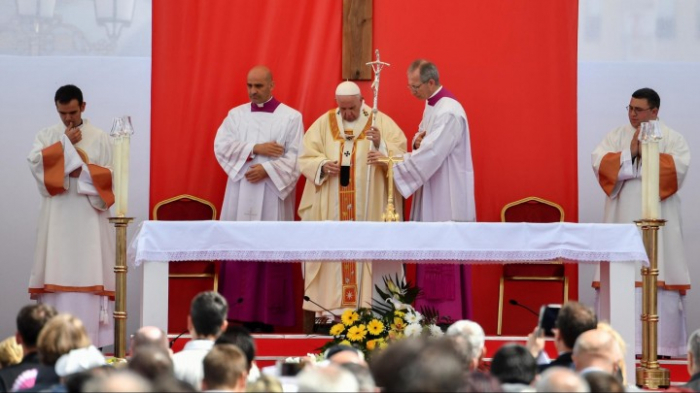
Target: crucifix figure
x,y
377,66
390,214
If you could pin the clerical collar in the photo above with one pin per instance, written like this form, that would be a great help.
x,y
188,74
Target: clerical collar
x,y
269,106
440,93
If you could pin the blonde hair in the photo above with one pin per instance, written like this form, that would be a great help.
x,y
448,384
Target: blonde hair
x,y
620,343
10,352
60,335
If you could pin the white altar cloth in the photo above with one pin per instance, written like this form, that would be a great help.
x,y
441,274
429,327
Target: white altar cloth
x,y
615,246
446,242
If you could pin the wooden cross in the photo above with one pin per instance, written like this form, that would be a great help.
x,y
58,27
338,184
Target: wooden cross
x,y
390,214
357,39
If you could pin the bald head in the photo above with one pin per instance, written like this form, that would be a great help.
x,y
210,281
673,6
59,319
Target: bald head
x,y
260,84
561,379
149,335
597,349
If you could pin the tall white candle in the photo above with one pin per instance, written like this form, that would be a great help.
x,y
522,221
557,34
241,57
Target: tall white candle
x,y
117,176
654,199
645,179
124,181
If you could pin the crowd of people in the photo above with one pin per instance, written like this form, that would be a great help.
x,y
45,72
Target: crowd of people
x,y
58,356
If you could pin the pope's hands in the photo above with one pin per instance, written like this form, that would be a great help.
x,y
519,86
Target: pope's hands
x,y
373,159
270,149
374,135
330,168
256,173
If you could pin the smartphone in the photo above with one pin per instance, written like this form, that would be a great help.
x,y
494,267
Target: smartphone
x,y
548,316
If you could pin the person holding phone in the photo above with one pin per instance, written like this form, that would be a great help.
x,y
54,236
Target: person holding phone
x,y
573,320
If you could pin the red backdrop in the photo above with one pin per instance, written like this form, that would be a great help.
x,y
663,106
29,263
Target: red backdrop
x,y
512,64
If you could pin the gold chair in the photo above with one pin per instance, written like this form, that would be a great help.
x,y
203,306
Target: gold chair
x,y
186,279
536,210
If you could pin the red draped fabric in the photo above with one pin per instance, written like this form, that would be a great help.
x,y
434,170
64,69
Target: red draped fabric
x,y
512,65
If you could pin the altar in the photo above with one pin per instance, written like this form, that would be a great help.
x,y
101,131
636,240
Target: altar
x,y
615,246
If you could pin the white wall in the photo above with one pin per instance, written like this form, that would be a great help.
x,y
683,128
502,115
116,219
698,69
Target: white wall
x,y
625,45
115,76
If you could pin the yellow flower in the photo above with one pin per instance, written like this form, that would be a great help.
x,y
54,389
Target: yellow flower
x,y
398,324
398,313
371,344
345,342
337,329
375,327
357,333
349,317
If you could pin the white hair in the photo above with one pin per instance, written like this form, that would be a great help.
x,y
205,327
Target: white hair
x,y
472,333
329,378
561,379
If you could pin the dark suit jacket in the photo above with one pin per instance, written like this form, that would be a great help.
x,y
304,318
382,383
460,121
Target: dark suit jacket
x,y
9,374
564,360
694,383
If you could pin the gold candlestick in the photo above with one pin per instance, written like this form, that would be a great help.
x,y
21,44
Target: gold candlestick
x,y
649,375
120,269
390,214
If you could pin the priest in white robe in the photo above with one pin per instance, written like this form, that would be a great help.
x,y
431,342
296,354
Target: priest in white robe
x,y
257,146
440,176
617,165
341,186
75,251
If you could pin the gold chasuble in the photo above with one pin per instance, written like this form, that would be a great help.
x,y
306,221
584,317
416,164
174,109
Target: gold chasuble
x,y
356,194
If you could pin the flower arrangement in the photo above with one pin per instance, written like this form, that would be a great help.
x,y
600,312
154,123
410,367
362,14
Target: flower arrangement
x,y
391,318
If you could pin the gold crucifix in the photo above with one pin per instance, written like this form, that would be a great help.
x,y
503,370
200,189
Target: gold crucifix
x,y
390,214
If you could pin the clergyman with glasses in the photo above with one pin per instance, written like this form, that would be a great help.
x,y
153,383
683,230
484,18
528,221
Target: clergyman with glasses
x,y
617,165
440,176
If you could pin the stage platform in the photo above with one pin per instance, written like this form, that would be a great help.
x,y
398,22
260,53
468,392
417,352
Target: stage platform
x,y
277,347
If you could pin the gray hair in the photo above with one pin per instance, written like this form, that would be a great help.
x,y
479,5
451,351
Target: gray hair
x,y
427,70
561,379
472,333
329,378
694,347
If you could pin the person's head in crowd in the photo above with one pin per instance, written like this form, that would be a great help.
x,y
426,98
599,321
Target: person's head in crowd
x,y
597,350
561,379
30,320
60,335
513,364
75,383
118,381
328,378
151,362
471,338
419,365
240,337
574,318
266,383
173,385
340,354
225,368
10,352
149,336
694,353
622,346
79,360
363,375
207,319
599,381
477,381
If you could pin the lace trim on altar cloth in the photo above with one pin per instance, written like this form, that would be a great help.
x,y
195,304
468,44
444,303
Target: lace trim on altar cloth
x,y
418,256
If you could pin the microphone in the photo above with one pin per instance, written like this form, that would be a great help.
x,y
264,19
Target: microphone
x,y
308,299
515,303
238,301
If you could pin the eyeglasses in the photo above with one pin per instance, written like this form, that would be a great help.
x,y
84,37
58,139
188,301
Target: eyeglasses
x,y
414,88
635,109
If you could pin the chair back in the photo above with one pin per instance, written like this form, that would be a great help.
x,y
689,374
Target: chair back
x,y
532,209
184,207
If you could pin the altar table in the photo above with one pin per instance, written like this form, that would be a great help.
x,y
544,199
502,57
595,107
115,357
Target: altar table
x,y
615,246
